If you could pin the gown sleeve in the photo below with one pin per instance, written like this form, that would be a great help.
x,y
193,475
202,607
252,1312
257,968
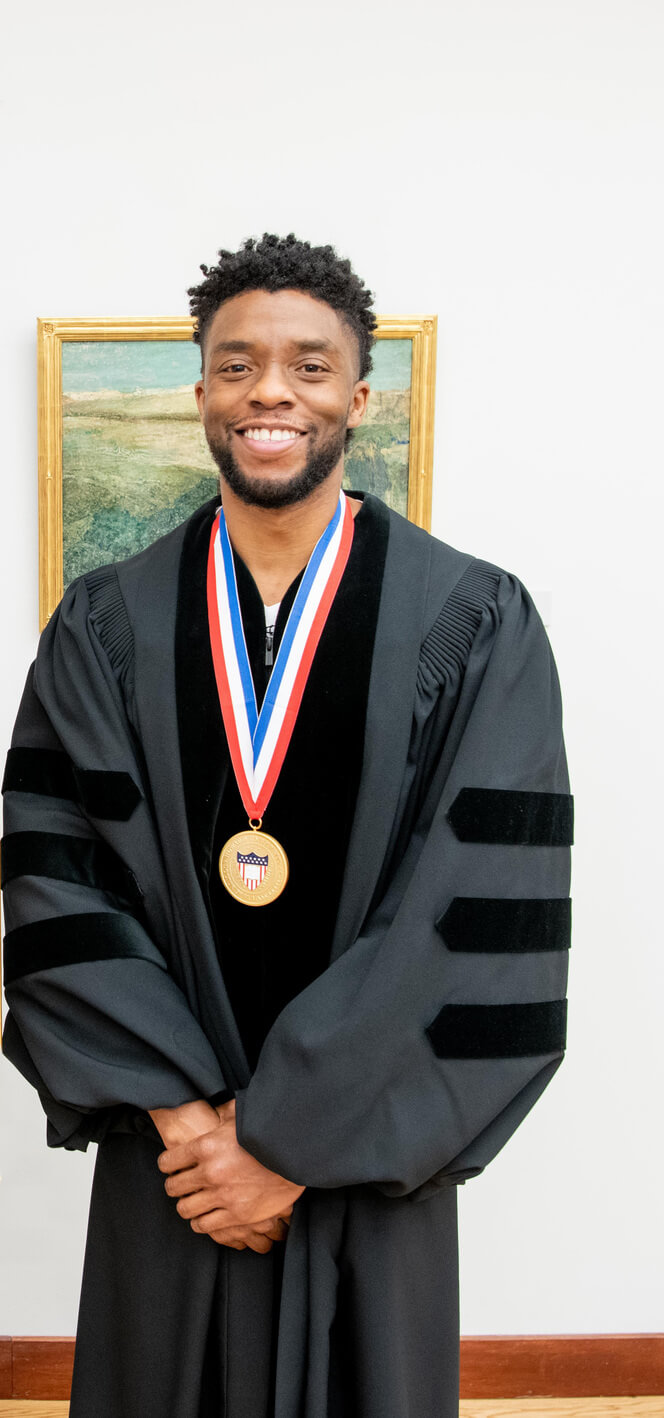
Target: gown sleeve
x,y
408,1064
97,1021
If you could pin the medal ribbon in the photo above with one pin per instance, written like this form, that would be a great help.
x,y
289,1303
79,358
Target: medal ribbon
x,y
258,742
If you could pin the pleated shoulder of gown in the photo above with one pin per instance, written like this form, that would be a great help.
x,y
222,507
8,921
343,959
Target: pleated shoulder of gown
x,y
110,619
131,587
446,647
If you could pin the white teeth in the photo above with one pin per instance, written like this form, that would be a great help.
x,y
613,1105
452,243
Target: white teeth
x,y
274,435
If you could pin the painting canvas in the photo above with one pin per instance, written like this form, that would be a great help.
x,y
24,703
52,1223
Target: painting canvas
x,y
123,454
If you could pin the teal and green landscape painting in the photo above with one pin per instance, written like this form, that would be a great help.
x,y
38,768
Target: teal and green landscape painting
x,y
135,462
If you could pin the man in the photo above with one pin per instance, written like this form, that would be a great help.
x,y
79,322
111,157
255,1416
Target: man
x,y
286,863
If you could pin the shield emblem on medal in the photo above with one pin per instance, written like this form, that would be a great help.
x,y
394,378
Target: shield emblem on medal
x,y
252,877
252,868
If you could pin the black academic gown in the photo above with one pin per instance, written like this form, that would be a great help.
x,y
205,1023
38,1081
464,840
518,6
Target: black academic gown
x,y
397,1073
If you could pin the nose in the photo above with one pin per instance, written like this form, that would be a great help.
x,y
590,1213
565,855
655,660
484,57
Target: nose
x,y
272,387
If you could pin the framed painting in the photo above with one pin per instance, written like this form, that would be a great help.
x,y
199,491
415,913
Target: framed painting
x,y
122,453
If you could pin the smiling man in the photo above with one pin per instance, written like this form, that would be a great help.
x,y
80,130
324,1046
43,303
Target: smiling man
x,y
286,865
253,419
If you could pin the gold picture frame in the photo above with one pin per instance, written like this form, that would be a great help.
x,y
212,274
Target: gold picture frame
x,y
56,409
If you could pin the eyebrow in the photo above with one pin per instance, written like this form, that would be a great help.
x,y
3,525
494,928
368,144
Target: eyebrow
x,y
245,346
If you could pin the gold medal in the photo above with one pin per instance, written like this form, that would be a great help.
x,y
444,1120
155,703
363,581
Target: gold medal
x,y
253,867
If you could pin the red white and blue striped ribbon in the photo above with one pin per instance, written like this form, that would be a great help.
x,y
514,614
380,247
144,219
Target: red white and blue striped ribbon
x,y
258,741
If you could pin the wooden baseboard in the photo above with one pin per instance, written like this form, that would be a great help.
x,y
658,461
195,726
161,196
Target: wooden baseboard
x,y
492,1366
562,1365
36,1366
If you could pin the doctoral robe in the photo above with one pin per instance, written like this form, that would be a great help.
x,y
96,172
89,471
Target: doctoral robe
x,y
394,1075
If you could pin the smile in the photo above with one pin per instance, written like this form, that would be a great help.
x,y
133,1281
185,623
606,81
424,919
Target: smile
x,y
271,435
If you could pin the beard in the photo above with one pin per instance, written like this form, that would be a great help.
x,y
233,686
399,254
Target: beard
x,y
279,492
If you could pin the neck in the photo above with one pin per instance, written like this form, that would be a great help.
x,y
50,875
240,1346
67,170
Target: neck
x,y
276,542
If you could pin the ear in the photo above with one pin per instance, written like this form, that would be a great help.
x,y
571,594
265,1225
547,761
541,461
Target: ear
x,y
199,391
358,404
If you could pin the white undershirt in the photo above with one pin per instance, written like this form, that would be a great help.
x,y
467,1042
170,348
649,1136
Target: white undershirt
x,y
271,613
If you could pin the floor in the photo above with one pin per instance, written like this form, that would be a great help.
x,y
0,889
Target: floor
x,y
470,1408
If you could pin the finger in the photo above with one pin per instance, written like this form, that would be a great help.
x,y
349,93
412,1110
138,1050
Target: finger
x,y
220,1219
236,1233
197,1205
277,1232
183,1183
273,1227
261,1244
281,1221
228,1234
256,1240
253,1237
175,1158
240,1237
187,1154
211,1221
255,1243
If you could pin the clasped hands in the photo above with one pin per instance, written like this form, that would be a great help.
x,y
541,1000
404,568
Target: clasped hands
x,y
222,1190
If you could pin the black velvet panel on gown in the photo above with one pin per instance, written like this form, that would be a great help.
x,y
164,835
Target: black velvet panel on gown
x,y
268,954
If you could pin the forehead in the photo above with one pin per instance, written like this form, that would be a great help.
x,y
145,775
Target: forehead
x,y
278,320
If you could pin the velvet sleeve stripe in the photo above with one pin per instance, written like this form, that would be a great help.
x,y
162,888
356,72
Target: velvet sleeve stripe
x,y
499,1031
72,940
64,858
49,772
504,926
503,817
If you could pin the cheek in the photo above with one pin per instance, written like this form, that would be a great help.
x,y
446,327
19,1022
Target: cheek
x,y
217,411
331,409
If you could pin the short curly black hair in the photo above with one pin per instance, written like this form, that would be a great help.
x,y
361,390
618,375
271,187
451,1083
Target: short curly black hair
x,y
284,263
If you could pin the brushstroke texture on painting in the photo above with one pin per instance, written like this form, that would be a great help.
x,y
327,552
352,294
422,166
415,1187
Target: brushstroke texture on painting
x,y
135,462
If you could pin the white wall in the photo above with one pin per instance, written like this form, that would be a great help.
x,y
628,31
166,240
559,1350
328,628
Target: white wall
x,y
498,162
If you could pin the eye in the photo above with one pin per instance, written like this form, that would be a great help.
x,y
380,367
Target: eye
x,y
235,368
312,367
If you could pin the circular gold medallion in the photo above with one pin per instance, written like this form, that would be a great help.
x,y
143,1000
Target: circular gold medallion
x,y
253,867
